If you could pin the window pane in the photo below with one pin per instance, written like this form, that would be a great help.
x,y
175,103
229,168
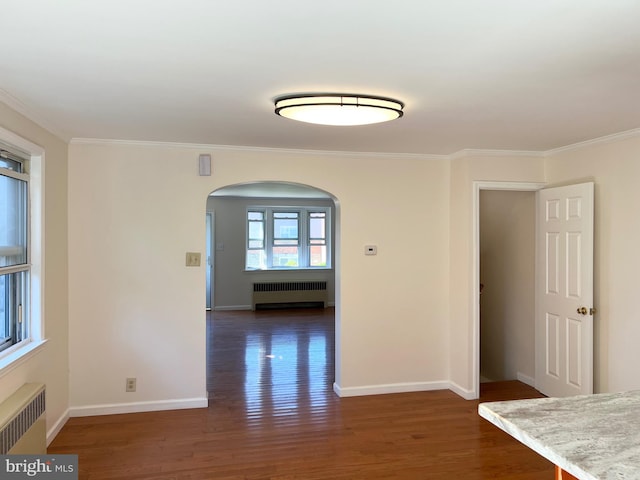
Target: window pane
x,y
256,235
10,164
317,227
256,259
13,221
285,226
12,295
318,256
255,255
285,256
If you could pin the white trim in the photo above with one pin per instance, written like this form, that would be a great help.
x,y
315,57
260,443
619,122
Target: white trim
x,y
526,379
222,308
465,152
57,426
462,392
7,136
475,274
20,355
136,407
615,137
473,152
390,388
240,148
36,156
17,105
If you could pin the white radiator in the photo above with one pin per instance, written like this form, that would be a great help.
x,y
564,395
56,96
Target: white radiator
x,y
289,293
23,427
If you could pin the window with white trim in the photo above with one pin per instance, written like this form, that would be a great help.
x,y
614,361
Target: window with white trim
x,y
288,238
14,250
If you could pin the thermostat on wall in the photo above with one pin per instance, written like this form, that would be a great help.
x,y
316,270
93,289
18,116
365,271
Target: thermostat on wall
x,y
370,250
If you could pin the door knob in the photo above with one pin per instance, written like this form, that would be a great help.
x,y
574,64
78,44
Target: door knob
x,y
582,310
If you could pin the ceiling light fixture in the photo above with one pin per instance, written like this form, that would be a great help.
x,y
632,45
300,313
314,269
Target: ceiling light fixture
x,y
339,109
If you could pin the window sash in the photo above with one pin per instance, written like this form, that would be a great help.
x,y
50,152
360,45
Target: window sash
x,y
255,229
318,217
14,222
13,308
15,249
292,248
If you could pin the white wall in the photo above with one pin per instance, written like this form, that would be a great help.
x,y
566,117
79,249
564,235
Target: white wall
x,y
507,271
614,166
50,365
466,170
233,285
136,209
119,301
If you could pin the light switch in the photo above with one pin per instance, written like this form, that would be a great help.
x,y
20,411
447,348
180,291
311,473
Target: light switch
x,y
193,259
370,250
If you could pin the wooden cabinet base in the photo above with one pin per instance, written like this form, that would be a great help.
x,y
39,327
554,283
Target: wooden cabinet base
x,y
562,475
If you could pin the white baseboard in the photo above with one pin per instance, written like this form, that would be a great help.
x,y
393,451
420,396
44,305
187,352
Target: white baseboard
x,y
463,392
526,379
249,307
57,426
136,407
231,307
389,388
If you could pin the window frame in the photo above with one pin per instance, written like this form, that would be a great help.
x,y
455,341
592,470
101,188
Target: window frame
x,y
303,240
18,274
33,311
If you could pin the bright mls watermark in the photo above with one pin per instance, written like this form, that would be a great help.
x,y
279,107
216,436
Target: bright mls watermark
x,y
52,467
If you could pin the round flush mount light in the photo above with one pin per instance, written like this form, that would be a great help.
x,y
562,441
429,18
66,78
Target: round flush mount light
x,y
338,109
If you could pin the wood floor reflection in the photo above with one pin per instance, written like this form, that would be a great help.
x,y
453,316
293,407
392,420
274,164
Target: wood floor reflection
x,y
273,416
279,363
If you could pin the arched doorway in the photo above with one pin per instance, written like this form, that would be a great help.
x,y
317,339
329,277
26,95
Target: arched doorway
x,y
232,275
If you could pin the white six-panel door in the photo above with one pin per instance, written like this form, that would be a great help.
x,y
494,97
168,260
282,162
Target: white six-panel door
x,y
564,290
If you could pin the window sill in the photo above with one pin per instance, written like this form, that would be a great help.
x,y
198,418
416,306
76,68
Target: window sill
x,y
303,269
19,356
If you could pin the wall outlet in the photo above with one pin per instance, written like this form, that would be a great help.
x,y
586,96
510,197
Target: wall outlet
x,y
131,384
193,259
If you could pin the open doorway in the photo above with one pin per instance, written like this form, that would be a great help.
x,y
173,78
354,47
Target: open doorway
x,y
247,249
507,279
210,235
504,263
272,233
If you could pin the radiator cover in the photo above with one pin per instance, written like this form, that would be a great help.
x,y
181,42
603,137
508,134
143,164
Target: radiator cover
x,y
290,293
22,421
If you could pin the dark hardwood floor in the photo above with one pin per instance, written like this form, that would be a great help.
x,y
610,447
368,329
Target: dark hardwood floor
x,y
273,416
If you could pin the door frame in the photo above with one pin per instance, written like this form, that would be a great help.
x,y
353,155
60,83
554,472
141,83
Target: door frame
x,y
475,290
210,254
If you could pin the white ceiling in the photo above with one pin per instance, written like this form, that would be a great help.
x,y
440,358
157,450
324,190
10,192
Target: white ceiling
x,y
491,74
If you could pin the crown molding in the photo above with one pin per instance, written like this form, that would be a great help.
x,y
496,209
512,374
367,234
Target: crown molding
x,y
476,152
17,105
614,137
236,148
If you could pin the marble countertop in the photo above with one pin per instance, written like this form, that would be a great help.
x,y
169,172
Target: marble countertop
x,y
592,437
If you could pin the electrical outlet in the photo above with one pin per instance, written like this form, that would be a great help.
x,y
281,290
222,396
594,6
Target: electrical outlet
x,y
193,259
131,384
